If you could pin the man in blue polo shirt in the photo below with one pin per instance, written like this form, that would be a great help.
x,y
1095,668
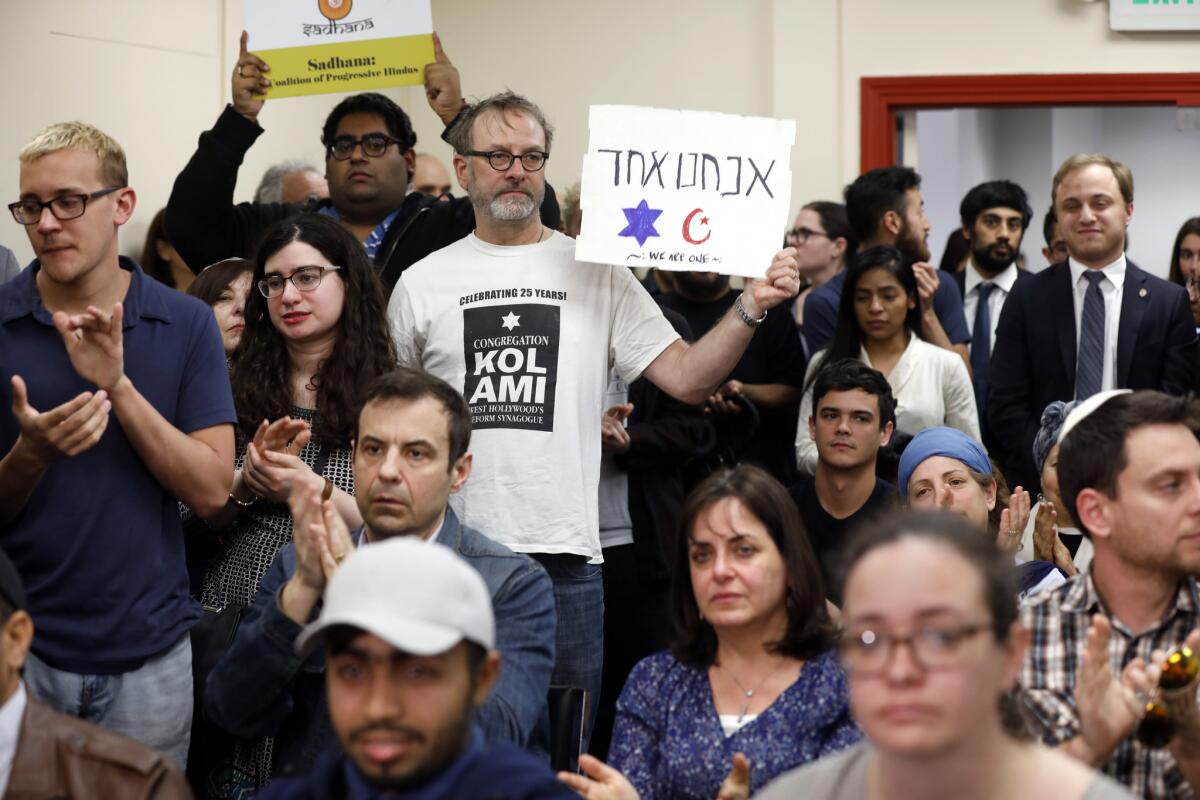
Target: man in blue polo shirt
x,y
120,406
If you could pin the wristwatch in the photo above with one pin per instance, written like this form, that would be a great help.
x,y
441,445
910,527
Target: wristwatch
x,y
744,316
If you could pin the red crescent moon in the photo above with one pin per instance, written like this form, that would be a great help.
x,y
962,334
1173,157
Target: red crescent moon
x,y
687,224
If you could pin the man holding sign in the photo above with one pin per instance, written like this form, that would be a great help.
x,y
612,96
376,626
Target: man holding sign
x,y
529,334
369,160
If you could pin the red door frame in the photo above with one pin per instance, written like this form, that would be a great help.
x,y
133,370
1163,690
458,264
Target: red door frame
x,y
881,98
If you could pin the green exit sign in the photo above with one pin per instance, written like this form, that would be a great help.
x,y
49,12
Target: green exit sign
x,y
1154,15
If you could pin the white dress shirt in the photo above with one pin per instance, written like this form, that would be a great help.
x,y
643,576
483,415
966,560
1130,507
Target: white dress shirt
x,y
1003,283
931,387
1112,289
11,715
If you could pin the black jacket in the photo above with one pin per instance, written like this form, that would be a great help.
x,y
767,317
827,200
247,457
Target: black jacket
x,y
664,434
1033,362
205,225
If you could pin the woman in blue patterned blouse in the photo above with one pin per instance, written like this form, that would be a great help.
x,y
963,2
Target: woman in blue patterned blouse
x,y
752,670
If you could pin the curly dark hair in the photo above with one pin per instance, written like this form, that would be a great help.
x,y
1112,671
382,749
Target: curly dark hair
x,y
364,349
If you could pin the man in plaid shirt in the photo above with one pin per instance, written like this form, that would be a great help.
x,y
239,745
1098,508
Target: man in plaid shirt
x,y
1129,469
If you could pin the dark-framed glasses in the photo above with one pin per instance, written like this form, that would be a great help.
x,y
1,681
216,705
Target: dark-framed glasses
x,y
801,235
868,652
305,279
501,160
373,145
66,206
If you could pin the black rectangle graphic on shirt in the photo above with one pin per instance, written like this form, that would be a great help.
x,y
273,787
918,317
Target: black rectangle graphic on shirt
x,y
512,365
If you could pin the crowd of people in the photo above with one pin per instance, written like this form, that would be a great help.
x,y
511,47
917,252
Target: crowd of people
x,y
367,489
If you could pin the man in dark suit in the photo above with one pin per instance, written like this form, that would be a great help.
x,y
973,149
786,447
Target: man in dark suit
x,y
1090,323
995,216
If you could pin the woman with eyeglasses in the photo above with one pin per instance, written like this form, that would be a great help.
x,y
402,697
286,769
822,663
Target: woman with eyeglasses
x,y
822,238
1185,263
316,336
932,647
879,324
751,686
225,287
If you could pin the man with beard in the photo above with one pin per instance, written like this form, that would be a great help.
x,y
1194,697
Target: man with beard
x,y
410,454
1091,323
885,207
1129,470
369,162
995,216
410,643
770,375
531,335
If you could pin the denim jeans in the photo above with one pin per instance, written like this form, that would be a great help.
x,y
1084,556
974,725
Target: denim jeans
x,y
579,639
152,704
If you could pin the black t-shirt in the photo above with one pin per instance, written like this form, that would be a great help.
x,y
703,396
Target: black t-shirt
x,y
774,355
828,533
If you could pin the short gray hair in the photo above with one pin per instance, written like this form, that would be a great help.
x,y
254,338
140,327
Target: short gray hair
x,y
270,189
460,135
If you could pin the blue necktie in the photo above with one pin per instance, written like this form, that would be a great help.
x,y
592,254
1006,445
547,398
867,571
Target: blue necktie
x,y
981,344
1089,372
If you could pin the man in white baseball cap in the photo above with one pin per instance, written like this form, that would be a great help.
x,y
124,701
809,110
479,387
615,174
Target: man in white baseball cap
x,y
409,641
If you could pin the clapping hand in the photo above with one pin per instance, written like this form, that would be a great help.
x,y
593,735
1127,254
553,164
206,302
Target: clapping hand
x,y
95,344
271,464
1046,544
1109,709
65,430
1012,522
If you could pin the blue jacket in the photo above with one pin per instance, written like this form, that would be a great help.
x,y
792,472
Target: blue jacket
x,y
260,687
494,772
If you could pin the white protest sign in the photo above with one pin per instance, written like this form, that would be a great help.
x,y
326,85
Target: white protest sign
x,y
685,190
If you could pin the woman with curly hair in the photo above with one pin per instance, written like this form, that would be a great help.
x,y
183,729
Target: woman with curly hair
x,y
316,337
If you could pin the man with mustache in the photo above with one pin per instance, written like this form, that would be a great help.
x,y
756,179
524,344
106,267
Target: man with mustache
x,y
995,216
1091,323
408,634
410,454
531,335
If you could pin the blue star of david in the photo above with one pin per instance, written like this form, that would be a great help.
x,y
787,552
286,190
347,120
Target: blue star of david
x,y
641,222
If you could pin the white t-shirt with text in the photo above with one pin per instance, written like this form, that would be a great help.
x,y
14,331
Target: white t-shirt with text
x,y
528,335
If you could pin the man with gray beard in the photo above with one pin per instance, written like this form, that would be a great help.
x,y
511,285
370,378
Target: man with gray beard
x,y
529,335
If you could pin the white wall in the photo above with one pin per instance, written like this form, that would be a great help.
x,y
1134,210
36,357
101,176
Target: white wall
x,y
961,148
154,73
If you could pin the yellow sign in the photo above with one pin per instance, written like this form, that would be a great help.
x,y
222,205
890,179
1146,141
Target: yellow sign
x,y
318,46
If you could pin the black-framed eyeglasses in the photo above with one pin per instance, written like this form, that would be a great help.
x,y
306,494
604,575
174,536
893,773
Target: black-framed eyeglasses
x,y
801,234
305,279
501,160
63,207
933,648
373,145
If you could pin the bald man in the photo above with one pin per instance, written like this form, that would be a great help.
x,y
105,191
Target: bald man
x,y
431,177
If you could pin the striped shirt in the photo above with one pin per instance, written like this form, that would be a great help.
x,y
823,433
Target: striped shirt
x,y
1059,621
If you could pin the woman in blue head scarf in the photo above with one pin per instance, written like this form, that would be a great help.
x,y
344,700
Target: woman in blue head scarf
x,y
944,469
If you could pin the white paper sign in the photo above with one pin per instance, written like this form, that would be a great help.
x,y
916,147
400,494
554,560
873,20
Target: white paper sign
x,y
685,190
